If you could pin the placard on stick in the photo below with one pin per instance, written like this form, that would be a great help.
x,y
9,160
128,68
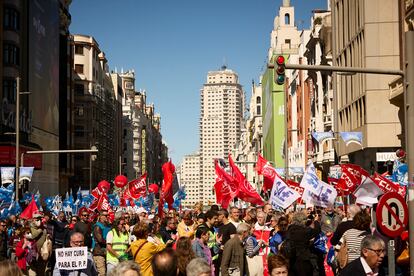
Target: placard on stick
x,y
72,258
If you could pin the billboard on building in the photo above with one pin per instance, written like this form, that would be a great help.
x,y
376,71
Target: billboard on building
x,y
43,55
273,120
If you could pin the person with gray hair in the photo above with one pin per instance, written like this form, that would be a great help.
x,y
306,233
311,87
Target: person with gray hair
x,y
345,225
234,260
129,268
198,267
77,240
372,255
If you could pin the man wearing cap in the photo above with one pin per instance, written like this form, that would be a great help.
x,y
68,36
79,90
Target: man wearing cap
x,y
39,235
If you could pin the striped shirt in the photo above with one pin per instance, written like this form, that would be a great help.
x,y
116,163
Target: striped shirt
x,y
353,238
252,247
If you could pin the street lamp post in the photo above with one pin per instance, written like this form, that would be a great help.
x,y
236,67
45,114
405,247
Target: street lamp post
x,y
92,157
17,126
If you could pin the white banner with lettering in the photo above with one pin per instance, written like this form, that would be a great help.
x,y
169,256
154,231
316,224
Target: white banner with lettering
x,y
282,195
72,258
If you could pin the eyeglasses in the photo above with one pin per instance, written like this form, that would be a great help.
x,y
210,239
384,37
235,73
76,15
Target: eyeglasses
x,y
126,217
85,215
377,251
74,220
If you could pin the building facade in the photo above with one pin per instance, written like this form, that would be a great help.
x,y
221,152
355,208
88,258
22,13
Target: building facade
x,y
319,86
190,178
42,61
143,149
363,99
245,151
221,118
284,40
96,117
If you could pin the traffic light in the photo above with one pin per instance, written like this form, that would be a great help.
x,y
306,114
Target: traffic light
x,y
280,70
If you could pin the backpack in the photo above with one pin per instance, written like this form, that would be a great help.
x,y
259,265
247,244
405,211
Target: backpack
x,y
46,249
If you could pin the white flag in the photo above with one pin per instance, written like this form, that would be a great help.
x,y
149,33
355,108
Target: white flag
x,y
7,175
26,173
310,180
325,198
282,195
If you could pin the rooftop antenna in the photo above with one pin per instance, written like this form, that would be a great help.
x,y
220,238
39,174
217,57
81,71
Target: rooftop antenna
x,y
224,66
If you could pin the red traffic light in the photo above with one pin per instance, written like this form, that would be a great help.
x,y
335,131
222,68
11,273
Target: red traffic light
x,y
280,60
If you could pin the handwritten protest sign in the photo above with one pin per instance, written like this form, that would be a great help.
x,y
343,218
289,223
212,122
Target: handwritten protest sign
x,y
72,258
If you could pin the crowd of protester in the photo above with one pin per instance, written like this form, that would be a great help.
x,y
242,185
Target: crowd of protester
x,y
203,241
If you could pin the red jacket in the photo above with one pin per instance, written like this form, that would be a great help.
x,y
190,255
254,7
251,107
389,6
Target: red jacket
x,y
21,255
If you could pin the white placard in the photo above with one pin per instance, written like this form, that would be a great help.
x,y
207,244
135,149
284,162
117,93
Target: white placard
x,y
72,258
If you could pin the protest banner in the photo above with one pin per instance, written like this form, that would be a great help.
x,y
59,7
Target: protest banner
x,y
72,258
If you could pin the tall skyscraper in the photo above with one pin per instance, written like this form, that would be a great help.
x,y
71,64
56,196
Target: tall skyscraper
x,y
222,109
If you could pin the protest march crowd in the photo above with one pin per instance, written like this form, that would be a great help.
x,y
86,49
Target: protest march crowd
x,y
249,241
300,230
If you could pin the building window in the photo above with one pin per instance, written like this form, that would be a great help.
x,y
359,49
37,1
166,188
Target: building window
x,y
11,20
79,131
287,19
79,68
258,100
258,110
9,90
11,54
79,49
79,89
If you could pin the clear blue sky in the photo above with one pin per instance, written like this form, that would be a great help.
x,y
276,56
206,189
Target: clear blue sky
x,y
172,45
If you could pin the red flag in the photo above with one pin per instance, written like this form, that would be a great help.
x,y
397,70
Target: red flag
x,y
136,188
351,177
103,203
387,185
225,187
168,171
246,191
96,193
30,210
269,173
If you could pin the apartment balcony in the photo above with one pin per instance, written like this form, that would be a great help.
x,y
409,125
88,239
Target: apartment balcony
x,y
327,120
329,156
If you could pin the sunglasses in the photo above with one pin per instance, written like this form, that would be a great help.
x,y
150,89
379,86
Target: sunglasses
x,y
4,225
74,220
85,215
